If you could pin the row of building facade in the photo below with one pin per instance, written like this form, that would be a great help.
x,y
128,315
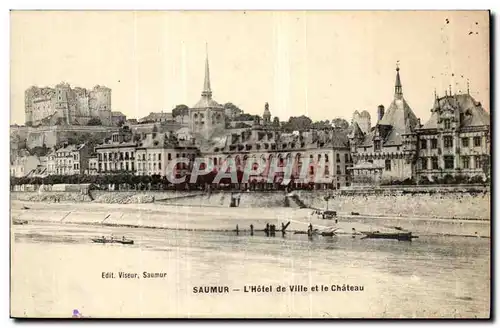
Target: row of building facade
x,y
454,141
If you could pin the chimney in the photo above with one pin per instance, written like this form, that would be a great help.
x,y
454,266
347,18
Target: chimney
x,y
381,111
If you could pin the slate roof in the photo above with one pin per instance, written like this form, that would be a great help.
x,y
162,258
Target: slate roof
x,y
400,116
206,102
474,114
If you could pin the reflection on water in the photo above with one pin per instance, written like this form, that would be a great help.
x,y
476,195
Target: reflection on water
x,y
436,277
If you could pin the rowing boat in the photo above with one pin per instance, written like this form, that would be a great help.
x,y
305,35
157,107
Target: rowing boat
x,y
109,241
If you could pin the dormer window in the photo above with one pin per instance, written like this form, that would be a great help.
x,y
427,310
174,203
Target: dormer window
x,y
377,145
447,124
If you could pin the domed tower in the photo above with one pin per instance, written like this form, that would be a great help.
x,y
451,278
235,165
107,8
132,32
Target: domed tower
x,y
267,115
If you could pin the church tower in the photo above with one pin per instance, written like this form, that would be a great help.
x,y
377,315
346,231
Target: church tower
x,y
207,115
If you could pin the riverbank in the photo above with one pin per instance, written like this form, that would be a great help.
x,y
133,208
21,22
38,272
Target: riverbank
x,y
225,219
448,205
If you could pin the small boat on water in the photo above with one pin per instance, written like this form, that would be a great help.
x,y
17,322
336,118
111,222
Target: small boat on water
x,y
123,241
19,222
400,236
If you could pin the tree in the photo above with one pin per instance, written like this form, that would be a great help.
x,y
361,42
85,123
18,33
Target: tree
x,y
232,109
244,117
299,123
94,121
180,110
276,121
321,125
340,123
39,151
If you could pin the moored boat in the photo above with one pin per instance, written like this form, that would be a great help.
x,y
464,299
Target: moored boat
x,y
401,236
19,222
112,240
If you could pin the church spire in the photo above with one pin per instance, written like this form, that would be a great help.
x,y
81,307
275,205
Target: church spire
x,y
207,91
398,89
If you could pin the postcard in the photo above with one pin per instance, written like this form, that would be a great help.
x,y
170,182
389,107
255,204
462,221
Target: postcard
x,y
250,164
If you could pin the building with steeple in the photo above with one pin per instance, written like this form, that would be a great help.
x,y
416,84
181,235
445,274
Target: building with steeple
x,y
206,116
387,152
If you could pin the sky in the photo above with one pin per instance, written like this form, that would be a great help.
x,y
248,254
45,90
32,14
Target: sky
x,y
323,64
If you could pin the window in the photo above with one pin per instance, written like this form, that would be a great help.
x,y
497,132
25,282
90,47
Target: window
x,y
121,156
177,155
423,144
121,165
465,142
448,141
154,166
169,156
132,166
338,170
159,157
447,124
465,162
477,162
346,158
326,158
154,157
159,166
477,141
387,164
449,162
143,157
126,166
434,143
100,167
377,145
338,158
149,157
434,162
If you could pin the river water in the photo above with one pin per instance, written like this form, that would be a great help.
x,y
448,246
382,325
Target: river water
x,y
56,269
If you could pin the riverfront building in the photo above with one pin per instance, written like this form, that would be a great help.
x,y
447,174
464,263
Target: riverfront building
x,y
455,140
390,147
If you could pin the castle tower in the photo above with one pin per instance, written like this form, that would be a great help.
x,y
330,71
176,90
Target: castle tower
x,y
62,103
363,119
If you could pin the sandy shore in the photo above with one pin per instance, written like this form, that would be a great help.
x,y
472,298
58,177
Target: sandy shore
x,y
226,219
